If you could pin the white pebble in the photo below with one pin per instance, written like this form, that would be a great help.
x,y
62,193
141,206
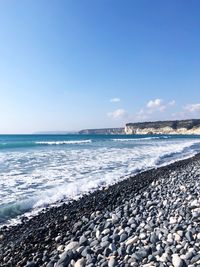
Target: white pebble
x,y
176,260
172,220
80,263
132,240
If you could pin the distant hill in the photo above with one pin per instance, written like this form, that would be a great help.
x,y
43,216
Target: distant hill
x,y
56,132
103,131
164,127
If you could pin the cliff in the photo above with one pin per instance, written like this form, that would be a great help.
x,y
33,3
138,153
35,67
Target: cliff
x,y
158,127
103,131
164,127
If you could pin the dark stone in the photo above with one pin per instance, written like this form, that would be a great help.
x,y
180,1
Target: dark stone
x,y
142,253
189,236
65,259
83,241
151,258
123,237
105,244
116,237
195,258
51,263
121,251
32,264
189,255
107,252
86,251
153,238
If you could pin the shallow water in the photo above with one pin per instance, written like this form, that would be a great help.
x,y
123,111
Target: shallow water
x,y
40,170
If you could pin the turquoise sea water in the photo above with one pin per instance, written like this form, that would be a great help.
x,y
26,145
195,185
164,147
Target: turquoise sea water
x,y
40,170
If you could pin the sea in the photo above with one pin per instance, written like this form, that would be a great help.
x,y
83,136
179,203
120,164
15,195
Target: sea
x,y
39,171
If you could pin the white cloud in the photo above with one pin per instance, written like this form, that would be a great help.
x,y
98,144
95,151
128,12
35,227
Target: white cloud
x,y
115,99
192,108
158,105
153,109
153,104
117,114
189,111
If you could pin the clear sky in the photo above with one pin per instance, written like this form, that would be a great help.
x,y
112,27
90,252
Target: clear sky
x,y
74,64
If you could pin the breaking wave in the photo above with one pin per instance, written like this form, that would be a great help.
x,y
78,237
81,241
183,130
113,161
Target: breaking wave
x,y
138,139
15,145
72,173
63,142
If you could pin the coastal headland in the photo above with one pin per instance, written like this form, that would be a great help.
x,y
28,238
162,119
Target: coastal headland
x,y
150,219
186,127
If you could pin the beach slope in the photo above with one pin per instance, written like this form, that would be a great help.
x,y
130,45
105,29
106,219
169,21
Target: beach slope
x,y
151,219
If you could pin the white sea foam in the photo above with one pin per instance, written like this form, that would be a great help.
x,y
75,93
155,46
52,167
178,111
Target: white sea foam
x,y
136,139
63,142
35,179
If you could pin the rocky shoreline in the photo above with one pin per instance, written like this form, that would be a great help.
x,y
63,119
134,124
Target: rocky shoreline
x,y
151,219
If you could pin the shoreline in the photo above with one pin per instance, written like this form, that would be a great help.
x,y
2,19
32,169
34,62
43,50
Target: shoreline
x,y
44,232
30,214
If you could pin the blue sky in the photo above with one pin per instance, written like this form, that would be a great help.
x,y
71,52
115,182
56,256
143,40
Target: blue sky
x,y
74,64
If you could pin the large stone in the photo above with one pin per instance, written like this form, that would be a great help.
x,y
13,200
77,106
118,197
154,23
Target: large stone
x,y
177,261
143,236
107,252
142,253
64,260
123,237
61,248
31,264
115,218
131,240
131,221
112,262
195,259
164,257
83,241
106,231
189,255
51,263
172,220
121,251
98,233
189,236
194,204
153,238
112,247
72,246
177,237
58,238
80,263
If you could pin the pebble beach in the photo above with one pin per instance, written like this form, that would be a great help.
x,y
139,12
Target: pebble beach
x,y
99,133
150,219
